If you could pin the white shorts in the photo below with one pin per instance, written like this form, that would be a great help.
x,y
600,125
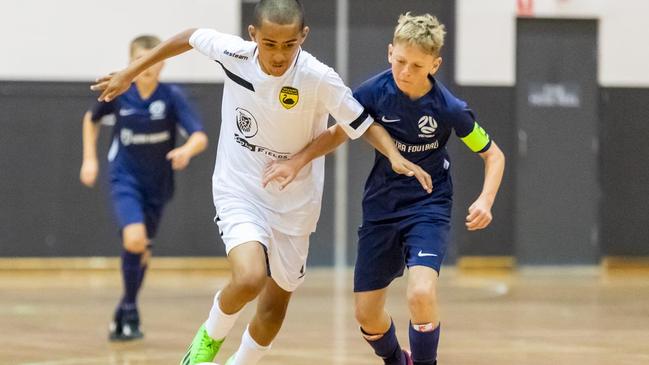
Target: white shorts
x,y
240,222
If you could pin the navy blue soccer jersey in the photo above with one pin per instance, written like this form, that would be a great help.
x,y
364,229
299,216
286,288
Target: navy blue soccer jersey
x,y
144,132
420,129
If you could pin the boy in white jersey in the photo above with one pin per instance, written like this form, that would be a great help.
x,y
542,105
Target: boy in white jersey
x,y
276,101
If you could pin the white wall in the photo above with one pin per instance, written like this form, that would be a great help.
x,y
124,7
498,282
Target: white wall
x,y
486,38
485,42
78,40
624,44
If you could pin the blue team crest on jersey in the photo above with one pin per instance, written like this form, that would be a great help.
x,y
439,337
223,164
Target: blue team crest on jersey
x,y
289,97
427,126
158,110
246,123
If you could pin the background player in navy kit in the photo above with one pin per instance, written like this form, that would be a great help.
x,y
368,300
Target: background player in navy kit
x,y
404,225
142,158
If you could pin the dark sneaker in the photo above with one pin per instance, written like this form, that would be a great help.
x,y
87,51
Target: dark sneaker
x,y
125,326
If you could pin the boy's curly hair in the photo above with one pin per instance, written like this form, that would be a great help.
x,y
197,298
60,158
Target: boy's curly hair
x,y
424,31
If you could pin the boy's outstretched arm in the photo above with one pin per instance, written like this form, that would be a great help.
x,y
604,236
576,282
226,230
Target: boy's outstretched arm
x,y
180,156
480,215
117,83
90,165
380,139
285,171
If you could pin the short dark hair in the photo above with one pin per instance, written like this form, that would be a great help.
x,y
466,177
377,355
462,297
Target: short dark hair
x,y
279,12
145,41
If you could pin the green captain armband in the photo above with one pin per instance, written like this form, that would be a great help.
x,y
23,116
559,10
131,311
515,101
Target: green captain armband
x,y
477,140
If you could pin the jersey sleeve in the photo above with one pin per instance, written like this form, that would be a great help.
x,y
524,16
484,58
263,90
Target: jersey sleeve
x,y
187,117
340,103
468,129
365,97
102,109
211,43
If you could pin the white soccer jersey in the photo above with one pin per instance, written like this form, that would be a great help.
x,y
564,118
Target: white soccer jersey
x,y
266,118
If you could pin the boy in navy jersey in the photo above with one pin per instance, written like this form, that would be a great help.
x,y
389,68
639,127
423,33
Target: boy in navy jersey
x,y
404,225
142,158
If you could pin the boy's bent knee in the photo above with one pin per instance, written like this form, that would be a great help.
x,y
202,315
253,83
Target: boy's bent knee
x,y
134,238
136,244
368,316
422,297
248,284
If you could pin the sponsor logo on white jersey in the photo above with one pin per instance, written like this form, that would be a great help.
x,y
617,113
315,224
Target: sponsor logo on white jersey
x,y
246,123
265,150
235,55
427,126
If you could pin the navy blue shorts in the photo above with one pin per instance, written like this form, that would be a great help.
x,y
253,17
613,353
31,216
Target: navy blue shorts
x,y
385,248
131,205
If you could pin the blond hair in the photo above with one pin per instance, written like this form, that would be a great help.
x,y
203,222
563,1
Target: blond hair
x,y
424,31
145,41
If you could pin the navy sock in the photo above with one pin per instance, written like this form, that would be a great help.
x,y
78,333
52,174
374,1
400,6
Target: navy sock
x,y
131,274
386,346
423,344
140,277
141,273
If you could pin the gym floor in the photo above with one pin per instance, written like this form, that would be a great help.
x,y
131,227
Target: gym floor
x,y
535,316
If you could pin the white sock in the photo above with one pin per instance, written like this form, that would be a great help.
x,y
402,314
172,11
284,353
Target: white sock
x,y
219,324
250,352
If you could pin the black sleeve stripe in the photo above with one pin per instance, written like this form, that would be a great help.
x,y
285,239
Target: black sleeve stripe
x,y
361,118
237,79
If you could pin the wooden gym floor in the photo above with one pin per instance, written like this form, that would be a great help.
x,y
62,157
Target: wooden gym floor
x,y
538,316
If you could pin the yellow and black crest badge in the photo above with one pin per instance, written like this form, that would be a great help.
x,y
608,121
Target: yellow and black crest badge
x,y
289,97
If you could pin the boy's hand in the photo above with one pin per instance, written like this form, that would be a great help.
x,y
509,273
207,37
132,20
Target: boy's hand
x,y
402,166
112,85
179,158
89,172
283,172
479,215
